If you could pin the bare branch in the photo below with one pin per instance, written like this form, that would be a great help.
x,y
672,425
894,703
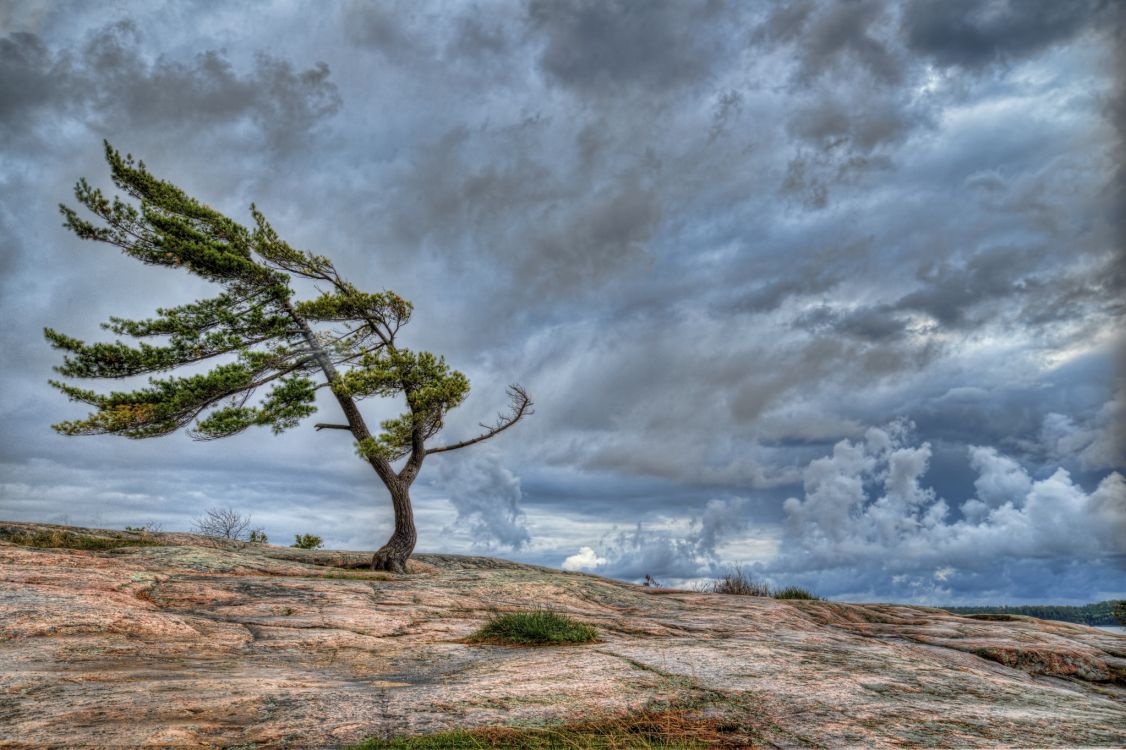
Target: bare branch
x,y
520,405
322,426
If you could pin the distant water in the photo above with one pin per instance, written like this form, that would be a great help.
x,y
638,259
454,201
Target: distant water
x,y
1113,629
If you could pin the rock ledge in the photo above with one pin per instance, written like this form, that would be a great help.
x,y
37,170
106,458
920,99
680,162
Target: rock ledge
x,y
175,640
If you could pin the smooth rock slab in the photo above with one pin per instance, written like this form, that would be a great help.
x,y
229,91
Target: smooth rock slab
x,y
186,642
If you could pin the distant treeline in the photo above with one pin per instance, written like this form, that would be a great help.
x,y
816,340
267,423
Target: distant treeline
x,y
1099,613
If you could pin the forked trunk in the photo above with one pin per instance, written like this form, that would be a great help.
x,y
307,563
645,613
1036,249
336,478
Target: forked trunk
x,y
392,556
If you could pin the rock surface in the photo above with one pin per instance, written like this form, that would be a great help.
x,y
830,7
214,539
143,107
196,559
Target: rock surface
x,y
175,640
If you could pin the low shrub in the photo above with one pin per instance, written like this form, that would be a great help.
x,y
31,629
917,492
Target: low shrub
x,y
307,541
258,536
537,628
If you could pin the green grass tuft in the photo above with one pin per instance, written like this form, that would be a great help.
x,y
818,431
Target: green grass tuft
x,y
794,592
537,628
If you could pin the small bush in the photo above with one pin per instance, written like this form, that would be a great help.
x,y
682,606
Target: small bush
x,y
307,541
538,628
794,592
258,536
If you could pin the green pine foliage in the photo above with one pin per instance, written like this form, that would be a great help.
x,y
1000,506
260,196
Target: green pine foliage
x,y
269,360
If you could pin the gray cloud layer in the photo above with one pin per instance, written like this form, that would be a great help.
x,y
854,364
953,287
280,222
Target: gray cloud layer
x,y
713,239
111,85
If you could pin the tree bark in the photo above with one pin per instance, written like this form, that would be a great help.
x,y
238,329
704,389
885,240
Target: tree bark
x,y
392,556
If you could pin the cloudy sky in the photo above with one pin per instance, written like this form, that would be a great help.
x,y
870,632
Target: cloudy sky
x,y
829,290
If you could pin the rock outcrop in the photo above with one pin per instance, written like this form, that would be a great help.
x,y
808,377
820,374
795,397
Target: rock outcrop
x,y
175,640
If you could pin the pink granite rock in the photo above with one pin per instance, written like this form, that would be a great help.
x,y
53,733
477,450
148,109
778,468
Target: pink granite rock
x,y
172,640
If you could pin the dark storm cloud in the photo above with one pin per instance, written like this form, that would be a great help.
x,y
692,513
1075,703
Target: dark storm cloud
x,y
111,86
1014,279
829,122
570,232
836,39
476,37
1115,112
27,71
871,324
600,47
855,90
973,35
381,25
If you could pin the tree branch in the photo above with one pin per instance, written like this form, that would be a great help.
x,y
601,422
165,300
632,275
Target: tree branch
x,y
322,426
520,406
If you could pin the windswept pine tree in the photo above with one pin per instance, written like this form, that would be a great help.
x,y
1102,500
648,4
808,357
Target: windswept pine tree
x,y
263,337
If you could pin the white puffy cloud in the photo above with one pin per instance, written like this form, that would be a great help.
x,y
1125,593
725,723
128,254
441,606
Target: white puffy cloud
x,y
585,559
866,508
1000,479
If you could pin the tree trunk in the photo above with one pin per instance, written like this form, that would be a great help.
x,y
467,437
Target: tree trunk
x,y
392,556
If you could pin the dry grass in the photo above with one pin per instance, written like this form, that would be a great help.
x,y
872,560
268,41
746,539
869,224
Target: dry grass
x,y
647,730
63,539
372,576
738,582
